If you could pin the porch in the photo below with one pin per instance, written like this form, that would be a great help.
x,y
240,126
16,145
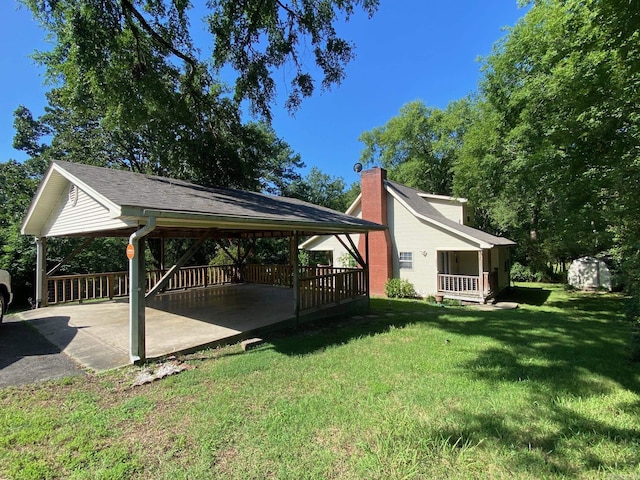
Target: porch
x,y
472,288
467,275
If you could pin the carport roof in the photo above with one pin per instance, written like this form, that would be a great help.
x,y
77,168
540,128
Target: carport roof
x,y
180,208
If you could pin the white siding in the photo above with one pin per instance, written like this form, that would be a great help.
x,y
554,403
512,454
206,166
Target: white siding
x,y
329,243
410,234
451,209
87,215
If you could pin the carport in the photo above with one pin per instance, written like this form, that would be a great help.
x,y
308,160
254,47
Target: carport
x,y
76,200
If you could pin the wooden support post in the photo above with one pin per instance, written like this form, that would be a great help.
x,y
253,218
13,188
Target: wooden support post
x,y
481,283
41,272
162,255
293,248
366,260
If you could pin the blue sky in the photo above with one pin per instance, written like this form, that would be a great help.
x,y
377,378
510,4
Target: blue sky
x,y
411,49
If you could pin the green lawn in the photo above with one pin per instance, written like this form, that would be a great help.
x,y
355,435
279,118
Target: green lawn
x,y
419,391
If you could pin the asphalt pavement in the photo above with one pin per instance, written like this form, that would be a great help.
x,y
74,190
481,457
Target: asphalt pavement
x,y
27,357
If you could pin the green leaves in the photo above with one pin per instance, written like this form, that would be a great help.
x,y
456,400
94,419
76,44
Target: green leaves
x,y
419,146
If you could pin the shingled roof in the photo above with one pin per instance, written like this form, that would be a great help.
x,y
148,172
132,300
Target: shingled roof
x,y
180,205
418,206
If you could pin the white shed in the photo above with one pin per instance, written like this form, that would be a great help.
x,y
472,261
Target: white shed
x,y
589,273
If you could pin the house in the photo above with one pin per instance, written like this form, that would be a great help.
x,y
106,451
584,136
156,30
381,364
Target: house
x,y
427,242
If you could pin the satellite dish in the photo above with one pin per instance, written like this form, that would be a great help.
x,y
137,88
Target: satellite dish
x,y
357,167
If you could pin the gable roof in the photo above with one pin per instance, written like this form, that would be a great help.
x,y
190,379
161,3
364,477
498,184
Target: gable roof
x,y
415,202
180,205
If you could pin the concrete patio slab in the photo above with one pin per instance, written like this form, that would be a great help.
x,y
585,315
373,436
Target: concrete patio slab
x,y
97,334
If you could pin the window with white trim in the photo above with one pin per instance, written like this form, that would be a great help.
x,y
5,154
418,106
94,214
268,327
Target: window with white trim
x,y
406,259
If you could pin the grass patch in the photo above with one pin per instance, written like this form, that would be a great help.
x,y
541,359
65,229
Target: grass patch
x,y
418,391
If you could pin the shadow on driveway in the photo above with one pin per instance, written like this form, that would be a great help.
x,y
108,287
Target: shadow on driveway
x,y
27,357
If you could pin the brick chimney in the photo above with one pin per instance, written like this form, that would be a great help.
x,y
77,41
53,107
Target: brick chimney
x,y
374,208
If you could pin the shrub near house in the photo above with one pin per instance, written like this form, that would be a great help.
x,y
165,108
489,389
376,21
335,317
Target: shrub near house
x,y
399,288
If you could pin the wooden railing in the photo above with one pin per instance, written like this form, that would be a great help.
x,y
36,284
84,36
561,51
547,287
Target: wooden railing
x,y
73,288
268,274
191,277
319,286
331,288
459,284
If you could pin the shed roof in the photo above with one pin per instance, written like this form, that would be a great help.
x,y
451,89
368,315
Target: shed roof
x,y
181,208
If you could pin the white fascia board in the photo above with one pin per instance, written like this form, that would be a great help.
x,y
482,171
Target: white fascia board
x,y
353,206
431,221
179,218
448,249
35,201
442,197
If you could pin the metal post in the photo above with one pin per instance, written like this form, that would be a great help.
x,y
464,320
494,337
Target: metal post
x,y
137,281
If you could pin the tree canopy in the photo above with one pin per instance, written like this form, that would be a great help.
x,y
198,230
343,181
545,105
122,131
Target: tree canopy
x,y
420,145
135,54
547,150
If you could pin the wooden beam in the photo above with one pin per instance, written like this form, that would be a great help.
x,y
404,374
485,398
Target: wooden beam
x,y
71,256
227,252
353,251
184,259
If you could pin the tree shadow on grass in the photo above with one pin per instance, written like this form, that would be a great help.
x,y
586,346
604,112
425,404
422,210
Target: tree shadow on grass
x,y
536,296
574,348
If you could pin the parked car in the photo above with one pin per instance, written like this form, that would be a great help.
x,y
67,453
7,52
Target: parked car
x,y
6,296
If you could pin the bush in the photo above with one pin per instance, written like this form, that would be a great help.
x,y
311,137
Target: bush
x,y
522,273
399,288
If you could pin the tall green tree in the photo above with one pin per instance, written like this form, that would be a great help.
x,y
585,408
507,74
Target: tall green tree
x,y
419,146
321,189
131,89
555,147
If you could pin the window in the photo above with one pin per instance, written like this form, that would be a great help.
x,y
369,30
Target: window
x,y
406,259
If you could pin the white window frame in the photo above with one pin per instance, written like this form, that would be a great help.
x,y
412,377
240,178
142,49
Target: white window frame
x,y
405,260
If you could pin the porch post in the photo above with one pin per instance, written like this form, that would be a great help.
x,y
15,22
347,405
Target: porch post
x,y
481,285
296,275
162,255
366,261
137,281
41,272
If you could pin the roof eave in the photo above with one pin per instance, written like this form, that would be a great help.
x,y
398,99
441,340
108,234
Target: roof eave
x,y
226,221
